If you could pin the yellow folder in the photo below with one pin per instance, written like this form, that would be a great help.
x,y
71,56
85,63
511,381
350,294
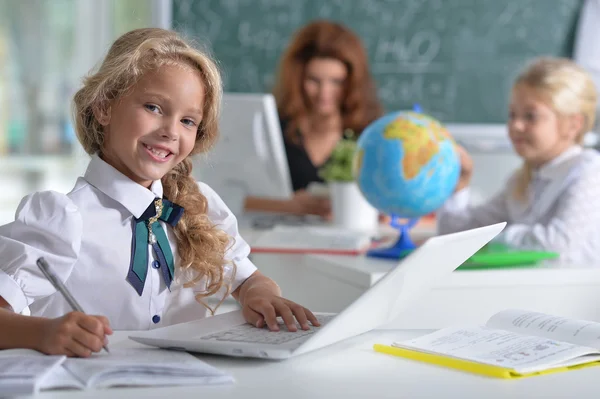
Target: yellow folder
x,y
471,366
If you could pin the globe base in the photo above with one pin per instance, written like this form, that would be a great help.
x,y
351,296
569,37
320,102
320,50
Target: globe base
x,y
403,246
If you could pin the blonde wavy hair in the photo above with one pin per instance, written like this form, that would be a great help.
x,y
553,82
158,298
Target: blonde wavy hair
x,y
565,87
200,244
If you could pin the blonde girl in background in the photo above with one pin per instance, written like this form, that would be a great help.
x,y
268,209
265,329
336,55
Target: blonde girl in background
x,y
553,201
137,240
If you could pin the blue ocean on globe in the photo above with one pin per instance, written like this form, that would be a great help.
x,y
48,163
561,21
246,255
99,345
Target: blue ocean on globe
x,y
406,164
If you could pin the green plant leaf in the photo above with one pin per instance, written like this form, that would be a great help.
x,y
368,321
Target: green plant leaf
x,y
339,166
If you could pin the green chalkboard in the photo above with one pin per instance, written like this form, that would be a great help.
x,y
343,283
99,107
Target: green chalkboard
x,y
457,58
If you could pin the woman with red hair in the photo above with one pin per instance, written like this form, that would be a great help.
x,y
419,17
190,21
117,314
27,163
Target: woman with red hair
x,y
323,90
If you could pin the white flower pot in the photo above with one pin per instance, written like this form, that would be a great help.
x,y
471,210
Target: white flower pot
x,y
350,208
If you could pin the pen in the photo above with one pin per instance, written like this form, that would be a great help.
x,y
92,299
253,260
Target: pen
x,y
60,287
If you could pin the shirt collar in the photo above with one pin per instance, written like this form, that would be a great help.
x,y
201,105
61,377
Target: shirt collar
x,y
134,197
559,166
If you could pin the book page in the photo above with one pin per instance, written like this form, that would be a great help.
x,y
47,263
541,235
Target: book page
x,y
144,366
57,378
23,374
497,347
27,366
60,378
580,332
19,352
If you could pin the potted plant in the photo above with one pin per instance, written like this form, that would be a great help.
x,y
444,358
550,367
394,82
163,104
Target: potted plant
x,y
349,207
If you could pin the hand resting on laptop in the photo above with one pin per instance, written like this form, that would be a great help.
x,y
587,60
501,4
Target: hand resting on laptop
x,y
261,303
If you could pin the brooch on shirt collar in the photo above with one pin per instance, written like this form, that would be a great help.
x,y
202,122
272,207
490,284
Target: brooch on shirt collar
x,y
158,204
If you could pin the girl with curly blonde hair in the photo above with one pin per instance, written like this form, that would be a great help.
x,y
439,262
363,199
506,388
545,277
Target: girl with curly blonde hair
x,y
138,240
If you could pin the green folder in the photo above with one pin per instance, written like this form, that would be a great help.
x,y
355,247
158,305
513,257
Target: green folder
x,y
495,255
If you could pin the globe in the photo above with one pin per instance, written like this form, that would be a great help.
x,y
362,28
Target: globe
x,y
406,165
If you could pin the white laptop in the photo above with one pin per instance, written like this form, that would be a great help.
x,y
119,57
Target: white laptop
x,y
228,334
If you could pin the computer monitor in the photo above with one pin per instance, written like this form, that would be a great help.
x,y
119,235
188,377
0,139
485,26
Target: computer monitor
x,y
249,157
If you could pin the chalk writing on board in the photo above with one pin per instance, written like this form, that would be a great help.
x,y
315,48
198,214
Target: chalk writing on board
x,y
457,58
422,48
411,88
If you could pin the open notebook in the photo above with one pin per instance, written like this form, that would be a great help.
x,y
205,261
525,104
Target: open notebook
x,y
512,344
24,371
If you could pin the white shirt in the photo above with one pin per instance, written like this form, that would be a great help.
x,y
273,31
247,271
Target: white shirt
x,y
561,212
86,237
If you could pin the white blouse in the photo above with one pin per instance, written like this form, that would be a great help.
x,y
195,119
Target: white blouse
x,y
86,237
561,214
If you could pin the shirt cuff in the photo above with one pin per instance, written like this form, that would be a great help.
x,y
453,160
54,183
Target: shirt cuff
x,y
458,201
12,293
244,269
514,236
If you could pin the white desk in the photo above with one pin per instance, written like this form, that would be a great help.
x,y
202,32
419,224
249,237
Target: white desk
x,y
351,369
471,297
465,297
329,283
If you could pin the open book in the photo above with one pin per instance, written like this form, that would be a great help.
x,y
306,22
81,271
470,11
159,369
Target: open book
x,y
512,344
24,371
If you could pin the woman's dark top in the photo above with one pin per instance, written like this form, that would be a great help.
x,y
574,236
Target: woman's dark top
x,y
302,170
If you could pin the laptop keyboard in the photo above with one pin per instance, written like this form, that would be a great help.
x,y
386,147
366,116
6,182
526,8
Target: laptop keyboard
x,y
251,334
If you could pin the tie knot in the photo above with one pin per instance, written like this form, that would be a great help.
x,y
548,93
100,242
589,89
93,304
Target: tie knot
x,y
152,210
162,209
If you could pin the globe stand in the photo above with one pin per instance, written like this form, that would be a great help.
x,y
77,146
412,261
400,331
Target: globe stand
x,y
403,246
